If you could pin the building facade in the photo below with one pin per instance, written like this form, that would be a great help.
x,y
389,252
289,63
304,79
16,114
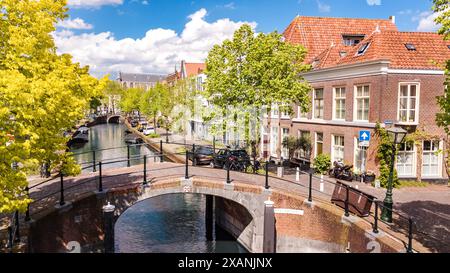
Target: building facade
x,y
361,77
144,81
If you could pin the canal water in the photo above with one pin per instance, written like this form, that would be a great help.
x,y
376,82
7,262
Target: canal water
x,y
103,137
165,224
170,224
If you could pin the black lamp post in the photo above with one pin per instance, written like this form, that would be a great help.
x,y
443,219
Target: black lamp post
x,y
397,136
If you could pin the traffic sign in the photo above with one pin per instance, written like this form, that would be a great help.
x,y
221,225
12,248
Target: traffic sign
x,y
364,136
365,144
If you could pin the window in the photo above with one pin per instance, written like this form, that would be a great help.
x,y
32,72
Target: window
x,y
406,160
275,111
301,114
319,144
285,153
338,148
362,103
351,40
339,103
430,159
274,141
410,47
408,103
304,153
318,103
362,49
360,156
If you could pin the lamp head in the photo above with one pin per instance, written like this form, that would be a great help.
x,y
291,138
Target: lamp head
x,y
397,135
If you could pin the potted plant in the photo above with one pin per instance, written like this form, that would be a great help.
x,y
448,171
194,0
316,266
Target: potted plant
x,y
369,177
357,176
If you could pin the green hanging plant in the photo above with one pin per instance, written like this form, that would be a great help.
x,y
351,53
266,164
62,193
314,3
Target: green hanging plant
x,y
384,156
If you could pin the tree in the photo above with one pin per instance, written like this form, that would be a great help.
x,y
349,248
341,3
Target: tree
x,y
293,144
131,99
113,92
441,7
42,94
150,104
251,72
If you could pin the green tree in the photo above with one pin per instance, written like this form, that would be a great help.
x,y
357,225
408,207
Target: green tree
x,y
441,7
150,104
131,100
113,92
42,94
384,157
251,72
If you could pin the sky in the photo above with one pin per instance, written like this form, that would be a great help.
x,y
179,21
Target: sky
x,y
153,36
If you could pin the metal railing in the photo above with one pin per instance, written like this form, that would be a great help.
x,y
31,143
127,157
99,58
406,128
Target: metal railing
x,y
263,170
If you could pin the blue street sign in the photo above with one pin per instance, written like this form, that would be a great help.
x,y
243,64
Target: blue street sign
x,y
364,136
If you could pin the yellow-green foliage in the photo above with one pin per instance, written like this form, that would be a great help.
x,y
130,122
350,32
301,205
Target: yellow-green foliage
x,y
41,95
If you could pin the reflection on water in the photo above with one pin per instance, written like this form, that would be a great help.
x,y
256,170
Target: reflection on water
x,y
170,224
106,136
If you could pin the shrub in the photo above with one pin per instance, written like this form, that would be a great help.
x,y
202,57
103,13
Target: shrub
x,y
154,135
322,163
384,156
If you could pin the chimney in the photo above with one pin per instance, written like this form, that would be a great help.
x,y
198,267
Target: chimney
x,y
392,18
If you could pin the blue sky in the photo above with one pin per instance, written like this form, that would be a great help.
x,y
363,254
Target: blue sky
x,y
117,28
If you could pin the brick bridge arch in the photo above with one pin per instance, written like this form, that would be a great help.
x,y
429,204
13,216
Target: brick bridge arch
x,y
249,198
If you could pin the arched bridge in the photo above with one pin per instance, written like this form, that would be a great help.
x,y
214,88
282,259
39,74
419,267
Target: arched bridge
x,y
263,212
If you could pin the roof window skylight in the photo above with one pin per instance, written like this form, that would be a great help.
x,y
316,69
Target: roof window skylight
x,y
363,48
410,47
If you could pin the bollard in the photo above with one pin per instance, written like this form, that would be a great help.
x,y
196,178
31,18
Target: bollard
x,y
194,162
297,175
310,187
145,170
100,182
375,225
108,214
94,167
128,156
347,190
267,176
228,172
186,175
61,197
161,159
410,236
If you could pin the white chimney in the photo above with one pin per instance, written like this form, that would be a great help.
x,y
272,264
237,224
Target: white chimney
x,y
392,18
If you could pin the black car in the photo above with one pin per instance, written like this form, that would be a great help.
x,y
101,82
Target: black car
x,y
202,155
238,159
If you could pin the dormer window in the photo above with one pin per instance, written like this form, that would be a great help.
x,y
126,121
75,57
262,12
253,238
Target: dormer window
x,y
352,40
362,49
410,47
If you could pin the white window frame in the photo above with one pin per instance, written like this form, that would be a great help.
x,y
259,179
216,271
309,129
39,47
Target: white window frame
x,y
440,161
277,109
316,141
355,102
416,118
284,151
414,165
273,145
355,160
332,148
299,113
334,103
314,104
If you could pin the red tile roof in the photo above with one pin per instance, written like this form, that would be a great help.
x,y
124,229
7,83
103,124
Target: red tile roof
x,y
431,51
193,69
318,33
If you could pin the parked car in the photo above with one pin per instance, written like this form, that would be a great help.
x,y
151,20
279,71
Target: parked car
x,y
148,130
238,159
134,123
202,155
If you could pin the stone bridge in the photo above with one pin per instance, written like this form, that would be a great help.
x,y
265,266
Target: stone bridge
x,y
110,118
301,226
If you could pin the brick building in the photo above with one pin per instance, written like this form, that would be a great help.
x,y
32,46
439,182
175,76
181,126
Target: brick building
x,y
367,72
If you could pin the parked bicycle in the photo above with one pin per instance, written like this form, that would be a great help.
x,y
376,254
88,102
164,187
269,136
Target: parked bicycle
x,y
341,171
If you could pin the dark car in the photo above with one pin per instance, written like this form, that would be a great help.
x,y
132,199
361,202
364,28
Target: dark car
x,y
202,155
238,159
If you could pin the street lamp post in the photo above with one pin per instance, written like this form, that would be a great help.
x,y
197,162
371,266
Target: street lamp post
x,y
397,136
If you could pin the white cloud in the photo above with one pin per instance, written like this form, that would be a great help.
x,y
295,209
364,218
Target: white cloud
x,y
157,52
323,7
93,3
145,2
374,2
76,23
426,21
